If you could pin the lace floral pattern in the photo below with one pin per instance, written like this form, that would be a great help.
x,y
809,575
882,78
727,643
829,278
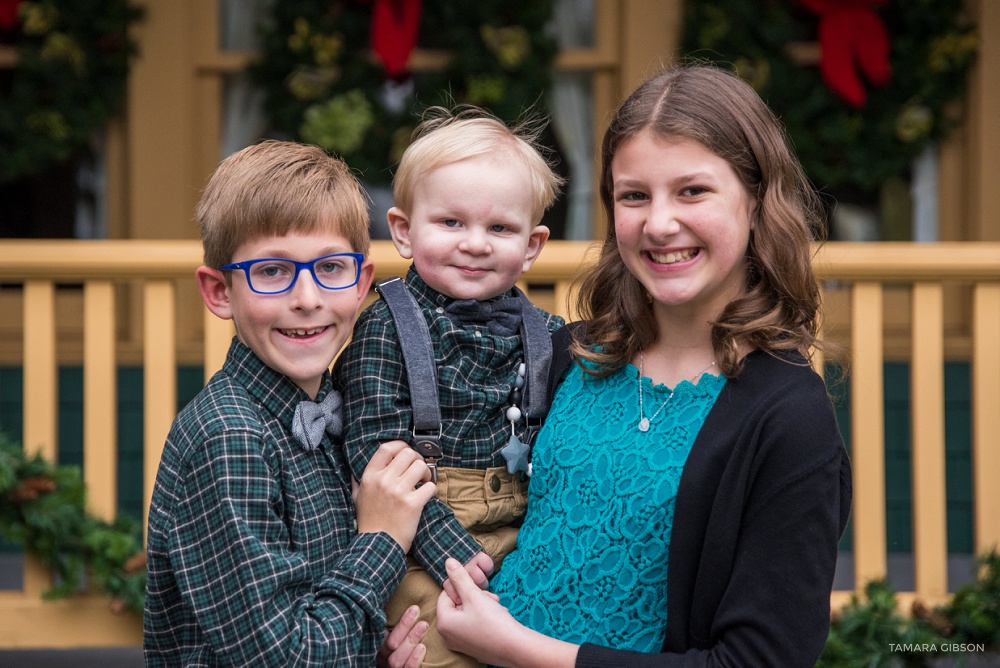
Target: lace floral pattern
x,y
591,561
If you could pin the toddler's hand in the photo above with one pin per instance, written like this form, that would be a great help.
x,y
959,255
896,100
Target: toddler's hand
x,y
479,568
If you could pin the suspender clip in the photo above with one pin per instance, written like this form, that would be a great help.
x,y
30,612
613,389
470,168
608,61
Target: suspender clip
x,y
428,446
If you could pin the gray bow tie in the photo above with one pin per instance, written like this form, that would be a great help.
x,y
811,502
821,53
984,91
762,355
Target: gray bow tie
x,y
312,419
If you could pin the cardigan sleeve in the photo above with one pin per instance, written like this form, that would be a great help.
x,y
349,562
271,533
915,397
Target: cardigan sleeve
x,y
760,587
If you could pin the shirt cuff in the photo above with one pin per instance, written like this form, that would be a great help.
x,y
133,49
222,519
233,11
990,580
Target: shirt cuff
x,y
378,559
440,536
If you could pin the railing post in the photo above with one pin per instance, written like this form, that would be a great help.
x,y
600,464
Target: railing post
x,y
40,371
100,399
986,415
868,433
818,357
159,379
563,300
41,395
930,544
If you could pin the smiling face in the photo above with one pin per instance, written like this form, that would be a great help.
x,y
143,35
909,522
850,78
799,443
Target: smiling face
x,y
682,220
298,332
471,232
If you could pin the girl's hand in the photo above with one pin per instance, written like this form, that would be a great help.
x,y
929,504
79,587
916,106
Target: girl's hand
x,y
482,628
479,569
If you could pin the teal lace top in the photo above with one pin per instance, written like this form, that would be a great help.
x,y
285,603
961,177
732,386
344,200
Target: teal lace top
x,y
591,560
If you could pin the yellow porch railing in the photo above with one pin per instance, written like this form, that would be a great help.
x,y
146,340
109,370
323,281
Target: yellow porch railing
x,y
100,303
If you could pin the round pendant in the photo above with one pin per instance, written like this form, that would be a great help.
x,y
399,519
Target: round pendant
x,y
644,424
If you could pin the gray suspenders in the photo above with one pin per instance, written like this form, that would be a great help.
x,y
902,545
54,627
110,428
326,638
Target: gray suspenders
x,y
418,358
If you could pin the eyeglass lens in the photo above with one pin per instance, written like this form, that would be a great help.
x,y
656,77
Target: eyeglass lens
x,y
331,271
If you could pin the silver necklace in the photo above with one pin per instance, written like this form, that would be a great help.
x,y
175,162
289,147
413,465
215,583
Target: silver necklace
x,y
644,421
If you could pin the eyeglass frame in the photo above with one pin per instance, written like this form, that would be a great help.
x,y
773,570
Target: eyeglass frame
x,y
309,265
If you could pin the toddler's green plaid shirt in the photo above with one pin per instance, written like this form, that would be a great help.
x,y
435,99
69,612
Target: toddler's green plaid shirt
x,y
476,371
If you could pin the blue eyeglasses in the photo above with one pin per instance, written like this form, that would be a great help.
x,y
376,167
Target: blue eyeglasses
x,y
274,275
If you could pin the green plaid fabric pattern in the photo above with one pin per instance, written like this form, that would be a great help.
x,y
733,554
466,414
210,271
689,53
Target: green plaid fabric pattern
x,y
253,556
476,371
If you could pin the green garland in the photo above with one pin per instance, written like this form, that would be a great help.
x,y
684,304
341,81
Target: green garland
x,y
322,84
842,148
68,82
870,631
42,510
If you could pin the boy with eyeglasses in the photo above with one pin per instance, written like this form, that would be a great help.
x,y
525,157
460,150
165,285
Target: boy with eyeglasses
x,y
254,556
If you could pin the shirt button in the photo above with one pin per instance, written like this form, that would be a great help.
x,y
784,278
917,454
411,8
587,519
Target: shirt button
x,y
440,309
479,335
494,484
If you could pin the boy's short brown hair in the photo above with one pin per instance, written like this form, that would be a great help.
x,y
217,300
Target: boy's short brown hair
x,y
276,188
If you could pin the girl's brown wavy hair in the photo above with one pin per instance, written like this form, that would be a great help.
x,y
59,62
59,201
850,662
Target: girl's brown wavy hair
x,y
779,307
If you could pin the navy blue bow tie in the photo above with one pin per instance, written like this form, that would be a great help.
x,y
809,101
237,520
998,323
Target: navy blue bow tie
x,y
502,316
312,420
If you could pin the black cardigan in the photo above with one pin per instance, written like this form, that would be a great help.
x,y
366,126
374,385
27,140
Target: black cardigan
x,y
763,500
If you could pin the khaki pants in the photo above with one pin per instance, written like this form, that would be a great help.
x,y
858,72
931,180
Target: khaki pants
x,y
485,502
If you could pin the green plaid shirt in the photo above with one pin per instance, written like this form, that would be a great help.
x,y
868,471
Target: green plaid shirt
x,y
253,557
476,371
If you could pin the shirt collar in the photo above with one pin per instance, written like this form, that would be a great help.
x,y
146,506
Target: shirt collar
x,y
275,391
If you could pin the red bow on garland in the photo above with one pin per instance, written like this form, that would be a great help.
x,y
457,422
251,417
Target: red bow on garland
x,y
852,37
395,26
8,13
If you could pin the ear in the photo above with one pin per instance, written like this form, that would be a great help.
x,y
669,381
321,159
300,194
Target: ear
x,y
214,291
539,235
399,228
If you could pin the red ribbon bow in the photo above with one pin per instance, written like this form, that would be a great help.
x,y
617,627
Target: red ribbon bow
x,y
852,38
8,14
395,26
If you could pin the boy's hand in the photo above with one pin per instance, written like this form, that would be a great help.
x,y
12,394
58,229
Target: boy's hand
x,y
479,568
402,648
388,498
